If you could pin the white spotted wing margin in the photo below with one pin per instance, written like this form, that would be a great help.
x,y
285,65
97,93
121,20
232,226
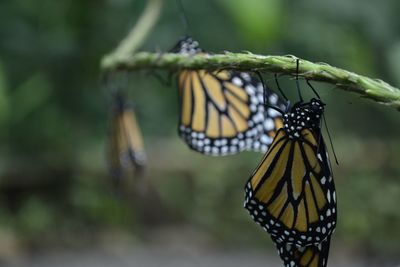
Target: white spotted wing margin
x,y
309,256
272,119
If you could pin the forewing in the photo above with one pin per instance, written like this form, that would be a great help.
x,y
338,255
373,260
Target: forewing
x,y
220,111
291,194
126,152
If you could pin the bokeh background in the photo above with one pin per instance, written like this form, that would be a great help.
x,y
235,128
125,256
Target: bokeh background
x,y
57,206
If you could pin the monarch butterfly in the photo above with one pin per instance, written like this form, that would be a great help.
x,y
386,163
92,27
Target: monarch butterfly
x,y
310,256
126,151
291,194
223,112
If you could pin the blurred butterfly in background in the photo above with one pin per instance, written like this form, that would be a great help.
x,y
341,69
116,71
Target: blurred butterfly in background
x,y
291,194
125,146
223,112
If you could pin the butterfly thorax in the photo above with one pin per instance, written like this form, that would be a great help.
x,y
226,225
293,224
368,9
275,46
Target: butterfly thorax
x,y
187,46
303,116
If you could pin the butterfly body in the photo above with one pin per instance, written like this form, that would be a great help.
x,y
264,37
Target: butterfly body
x,y
291,194
187,45
302,116
126,152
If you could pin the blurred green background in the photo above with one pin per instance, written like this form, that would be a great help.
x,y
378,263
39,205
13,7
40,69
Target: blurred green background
x,y
54,186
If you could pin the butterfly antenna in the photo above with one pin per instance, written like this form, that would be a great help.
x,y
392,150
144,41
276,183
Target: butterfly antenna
x,y
297,80
279,88
183,16
313,89
275,108
320,136
264,87
266,96
330,139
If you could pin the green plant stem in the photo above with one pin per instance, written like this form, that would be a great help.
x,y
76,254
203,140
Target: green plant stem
x,y
124,57
374,89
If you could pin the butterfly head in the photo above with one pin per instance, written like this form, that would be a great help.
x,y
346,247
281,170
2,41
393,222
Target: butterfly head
x,y
187,45
303,116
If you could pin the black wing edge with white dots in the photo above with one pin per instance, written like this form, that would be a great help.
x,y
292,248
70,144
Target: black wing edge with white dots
x,y
309,256
272,119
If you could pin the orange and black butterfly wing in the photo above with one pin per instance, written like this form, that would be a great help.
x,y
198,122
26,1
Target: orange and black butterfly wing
x,y
291,194
220,111
223,112
310,256
126,154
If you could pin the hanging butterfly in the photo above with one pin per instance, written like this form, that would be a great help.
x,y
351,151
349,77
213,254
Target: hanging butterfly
x,y
126,152
310,256
291,194
223,112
